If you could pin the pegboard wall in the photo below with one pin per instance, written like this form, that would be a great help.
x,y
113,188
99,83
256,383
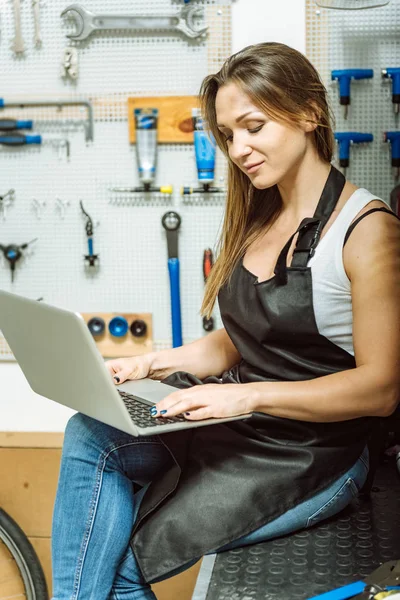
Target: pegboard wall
x,y
364,39
50,179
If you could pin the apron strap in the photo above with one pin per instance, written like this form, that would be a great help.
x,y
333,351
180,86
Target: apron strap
x,y
310,228
307,224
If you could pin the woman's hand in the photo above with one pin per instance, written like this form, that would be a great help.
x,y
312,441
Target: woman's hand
x,y
134,367
211,400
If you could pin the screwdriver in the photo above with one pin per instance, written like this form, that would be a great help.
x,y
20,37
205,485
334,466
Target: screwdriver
x,y
19,139
208,324
11,124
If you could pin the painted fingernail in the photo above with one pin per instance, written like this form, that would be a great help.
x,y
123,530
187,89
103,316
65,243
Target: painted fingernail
x,y
153,411
163,412
187,413
117,379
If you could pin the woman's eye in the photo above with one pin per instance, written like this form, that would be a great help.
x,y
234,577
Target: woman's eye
x,y
228,138
256,129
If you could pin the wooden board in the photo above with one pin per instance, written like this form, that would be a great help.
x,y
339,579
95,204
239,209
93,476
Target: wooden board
x,y
29,479
113,347
174,117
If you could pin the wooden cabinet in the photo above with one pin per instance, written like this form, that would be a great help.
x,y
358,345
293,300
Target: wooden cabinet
x,y
29,467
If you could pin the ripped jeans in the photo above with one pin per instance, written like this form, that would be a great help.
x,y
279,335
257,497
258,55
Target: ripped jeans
x,y
96,507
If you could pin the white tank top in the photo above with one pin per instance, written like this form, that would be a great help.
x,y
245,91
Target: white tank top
x,y
331,286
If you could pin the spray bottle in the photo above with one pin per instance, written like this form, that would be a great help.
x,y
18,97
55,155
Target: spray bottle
x,y
204,147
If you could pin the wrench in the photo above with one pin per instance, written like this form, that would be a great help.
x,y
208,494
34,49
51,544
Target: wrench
x,y
18,44
87,22
36,16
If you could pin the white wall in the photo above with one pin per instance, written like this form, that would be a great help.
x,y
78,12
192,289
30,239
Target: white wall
x,y
253,21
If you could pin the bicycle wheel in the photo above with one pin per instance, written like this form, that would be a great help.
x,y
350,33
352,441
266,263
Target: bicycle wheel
x,y
21,574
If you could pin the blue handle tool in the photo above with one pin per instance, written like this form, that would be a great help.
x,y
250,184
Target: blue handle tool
x,y
18,139
11,124
171,222
394,75
345,139
173,269
393,137
344,77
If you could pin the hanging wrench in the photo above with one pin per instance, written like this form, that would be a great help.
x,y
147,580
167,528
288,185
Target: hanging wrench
x,y
87,22
18,44
36,17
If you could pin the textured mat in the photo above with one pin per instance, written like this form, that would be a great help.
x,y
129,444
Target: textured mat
x,y
338,552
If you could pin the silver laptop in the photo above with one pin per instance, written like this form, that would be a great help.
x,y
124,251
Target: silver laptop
x,y
60,360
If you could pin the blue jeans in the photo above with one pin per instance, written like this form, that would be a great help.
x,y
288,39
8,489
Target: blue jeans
x,y
96,506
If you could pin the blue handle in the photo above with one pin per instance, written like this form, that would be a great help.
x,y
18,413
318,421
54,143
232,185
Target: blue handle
x,y
344,76
346,138
394,138
18,139
173,268
11,124
90,246
394,74
342,593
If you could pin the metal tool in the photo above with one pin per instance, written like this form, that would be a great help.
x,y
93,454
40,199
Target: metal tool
x,y
13,253
171,222
208,323
345,140
351,4
18,45
393,75
87,22
90,258
6,201
36,18
344,77
384,578
69,65
59,104
38,206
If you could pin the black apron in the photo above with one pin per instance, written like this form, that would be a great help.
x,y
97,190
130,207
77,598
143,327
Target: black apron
x,y
228,480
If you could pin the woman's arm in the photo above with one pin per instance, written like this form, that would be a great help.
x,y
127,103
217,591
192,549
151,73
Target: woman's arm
x,y
211,355
372,262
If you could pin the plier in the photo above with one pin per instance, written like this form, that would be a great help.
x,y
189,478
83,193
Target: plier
x,y
384,579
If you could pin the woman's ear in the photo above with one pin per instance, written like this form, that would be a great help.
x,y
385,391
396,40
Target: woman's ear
x,y
311,119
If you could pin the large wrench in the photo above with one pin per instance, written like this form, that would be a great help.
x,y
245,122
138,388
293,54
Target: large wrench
x,y
87,22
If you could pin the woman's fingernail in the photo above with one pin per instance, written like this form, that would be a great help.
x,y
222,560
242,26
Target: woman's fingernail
x,y
153,411
163,412
117,379
187,413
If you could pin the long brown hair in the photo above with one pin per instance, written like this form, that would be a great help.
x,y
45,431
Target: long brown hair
x,y
285,86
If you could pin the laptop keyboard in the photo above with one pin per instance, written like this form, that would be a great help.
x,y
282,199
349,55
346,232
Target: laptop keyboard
x,y
140,412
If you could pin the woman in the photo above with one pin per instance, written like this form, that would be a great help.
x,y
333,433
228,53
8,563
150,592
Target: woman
x,y
310,346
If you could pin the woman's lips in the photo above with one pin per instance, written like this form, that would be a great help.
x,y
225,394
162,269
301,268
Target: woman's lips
x,y
254,168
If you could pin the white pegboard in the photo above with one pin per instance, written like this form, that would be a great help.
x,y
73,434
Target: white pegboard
x,y
129,239
344,39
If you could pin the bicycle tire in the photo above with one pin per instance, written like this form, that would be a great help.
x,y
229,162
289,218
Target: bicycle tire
x,y
21,573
